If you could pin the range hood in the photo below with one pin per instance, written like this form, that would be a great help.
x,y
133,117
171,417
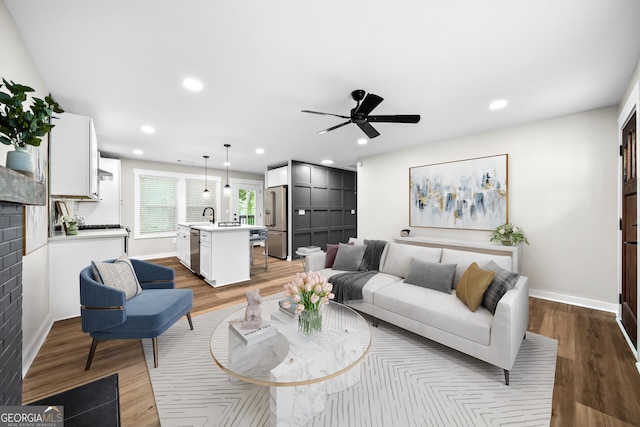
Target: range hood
x,y
104,175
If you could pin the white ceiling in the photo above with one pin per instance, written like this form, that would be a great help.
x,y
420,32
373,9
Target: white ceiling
x,y
261,62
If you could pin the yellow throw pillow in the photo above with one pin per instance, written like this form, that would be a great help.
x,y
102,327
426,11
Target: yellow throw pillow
x,y
472,285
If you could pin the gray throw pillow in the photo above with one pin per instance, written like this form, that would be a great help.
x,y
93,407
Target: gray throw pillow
x,y
118,274
431,275
503,280
348,257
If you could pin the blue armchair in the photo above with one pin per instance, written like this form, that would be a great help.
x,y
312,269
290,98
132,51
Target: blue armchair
x,y
107,314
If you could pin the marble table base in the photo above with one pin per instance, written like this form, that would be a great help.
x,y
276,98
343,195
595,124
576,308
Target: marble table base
x,y
296,406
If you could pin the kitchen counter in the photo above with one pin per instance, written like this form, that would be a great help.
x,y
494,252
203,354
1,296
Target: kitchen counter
x,y
216,227
90,234
70,254
224,252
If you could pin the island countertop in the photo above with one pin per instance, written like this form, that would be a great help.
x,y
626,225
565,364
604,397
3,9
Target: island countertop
x,y
216,227
90,234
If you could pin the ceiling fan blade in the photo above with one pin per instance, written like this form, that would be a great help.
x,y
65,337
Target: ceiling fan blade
x,y
325,114
335,127
368,129
399,118
369,102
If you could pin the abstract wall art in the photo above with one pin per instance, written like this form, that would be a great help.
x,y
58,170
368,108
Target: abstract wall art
x,y
465,194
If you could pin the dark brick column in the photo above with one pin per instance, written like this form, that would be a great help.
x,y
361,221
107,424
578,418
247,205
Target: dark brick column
x,y
11,304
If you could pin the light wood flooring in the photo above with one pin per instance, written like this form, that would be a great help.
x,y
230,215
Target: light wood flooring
x,y
596,384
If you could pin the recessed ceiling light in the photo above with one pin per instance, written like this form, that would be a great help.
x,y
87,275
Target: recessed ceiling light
x,y
362,141
259,150
147,129
327,162
192,84
498,104
226,164
138,152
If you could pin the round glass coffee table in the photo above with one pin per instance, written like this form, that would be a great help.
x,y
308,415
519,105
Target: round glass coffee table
x,y
301,371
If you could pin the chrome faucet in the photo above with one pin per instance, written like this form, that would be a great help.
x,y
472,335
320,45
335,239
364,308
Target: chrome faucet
x,y
213,213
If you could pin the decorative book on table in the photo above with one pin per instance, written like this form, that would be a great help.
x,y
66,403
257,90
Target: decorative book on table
x,y
308,249
289,311
255,335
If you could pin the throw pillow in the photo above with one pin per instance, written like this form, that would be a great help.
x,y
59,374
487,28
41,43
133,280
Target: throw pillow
x,y
472,285
431,275
329,259
118,274
503,280
349,257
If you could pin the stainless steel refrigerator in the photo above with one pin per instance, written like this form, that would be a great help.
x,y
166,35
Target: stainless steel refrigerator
x,y
275,219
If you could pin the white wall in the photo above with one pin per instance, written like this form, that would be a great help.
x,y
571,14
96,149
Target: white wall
x,y
562,184
150,248
17,65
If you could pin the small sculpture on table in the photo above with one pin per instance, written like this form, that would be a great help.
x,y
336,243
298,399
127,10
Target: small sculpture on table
x,y
253,314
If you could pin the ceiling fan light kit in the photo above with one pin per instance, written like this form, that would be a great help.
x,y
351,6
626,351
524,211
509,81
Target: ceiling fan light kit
x,y
366,103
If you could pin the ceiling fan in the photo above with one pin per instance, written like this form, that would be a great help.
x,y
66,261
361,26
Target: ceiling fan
x,y
360,114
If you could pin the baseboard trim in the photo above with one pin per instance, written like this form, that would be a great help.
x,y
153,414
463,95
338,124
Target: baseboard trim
x,y
154,256
29,353
626,337
581,302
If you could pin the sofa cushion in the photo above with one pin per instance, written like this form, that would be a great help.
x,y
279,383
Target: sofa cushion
x,y
431,275
503,280
348,257
118,274
472,285
463,259
330,258
377,282
437,309
398,257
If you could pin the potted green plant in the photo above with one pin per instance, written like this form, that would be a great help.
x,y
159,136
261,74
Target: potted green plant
x,y
21,127
509,234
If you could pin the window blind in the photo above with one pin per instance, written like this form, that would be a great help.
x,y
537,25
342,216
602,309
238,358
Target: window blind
x,y
158,204
196,203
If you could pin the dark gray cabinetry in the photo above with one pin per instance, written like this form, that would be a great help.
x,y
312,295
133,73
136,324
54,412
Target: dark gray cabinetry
x,y
323,205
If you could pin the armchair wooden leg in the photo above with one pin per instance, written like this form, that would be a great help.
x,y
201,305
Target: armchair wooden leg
x,y
92,351
189,319
155,351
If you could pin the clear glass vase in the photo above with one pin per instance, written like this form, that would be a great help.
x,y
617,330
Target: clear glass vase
x,y
310,322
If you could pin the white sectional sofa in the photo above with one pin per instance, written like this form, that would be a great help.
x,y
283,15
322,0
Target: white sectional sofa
x,y
441,316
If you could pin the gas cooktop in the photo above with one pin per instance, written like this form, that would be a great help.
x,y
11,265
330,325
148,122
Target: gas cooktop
x,y
98,226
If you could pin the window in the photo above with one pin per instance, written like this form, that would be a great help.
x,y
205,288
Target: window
x,y
158,204
195,202
163,199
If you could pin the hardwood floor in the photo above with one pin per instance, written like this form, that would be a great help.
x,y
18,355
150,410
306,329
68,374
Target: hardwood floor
x,y
596,382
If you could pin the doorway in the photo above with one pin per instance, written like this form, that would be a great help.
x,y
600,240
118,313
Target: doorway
x,y
246,201
629,225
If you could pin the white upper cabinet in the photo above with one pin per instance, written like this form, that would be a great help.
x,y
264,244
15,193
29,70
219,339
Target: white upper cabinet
x,y
74,158
277,176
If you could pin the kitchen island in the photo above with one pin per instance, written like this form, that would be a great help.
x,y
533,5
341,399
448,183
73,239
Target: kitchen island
x,y
224,252
70,254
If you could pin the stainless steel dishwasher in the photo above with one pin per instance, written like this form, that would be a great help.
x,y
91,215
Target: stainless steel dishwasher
x,y
194,241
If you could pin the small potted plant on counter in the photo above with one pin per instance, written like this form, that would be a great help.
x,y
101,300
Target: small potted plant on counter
x,y
509,234
20,127
70,223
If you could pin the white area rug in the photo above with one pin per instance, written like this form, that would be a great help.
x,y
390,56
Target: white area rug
x,y
406,380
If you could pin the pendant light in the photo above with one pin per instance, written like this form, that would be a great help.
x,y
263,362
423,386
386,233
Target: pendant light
x,y
205,193
227,188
